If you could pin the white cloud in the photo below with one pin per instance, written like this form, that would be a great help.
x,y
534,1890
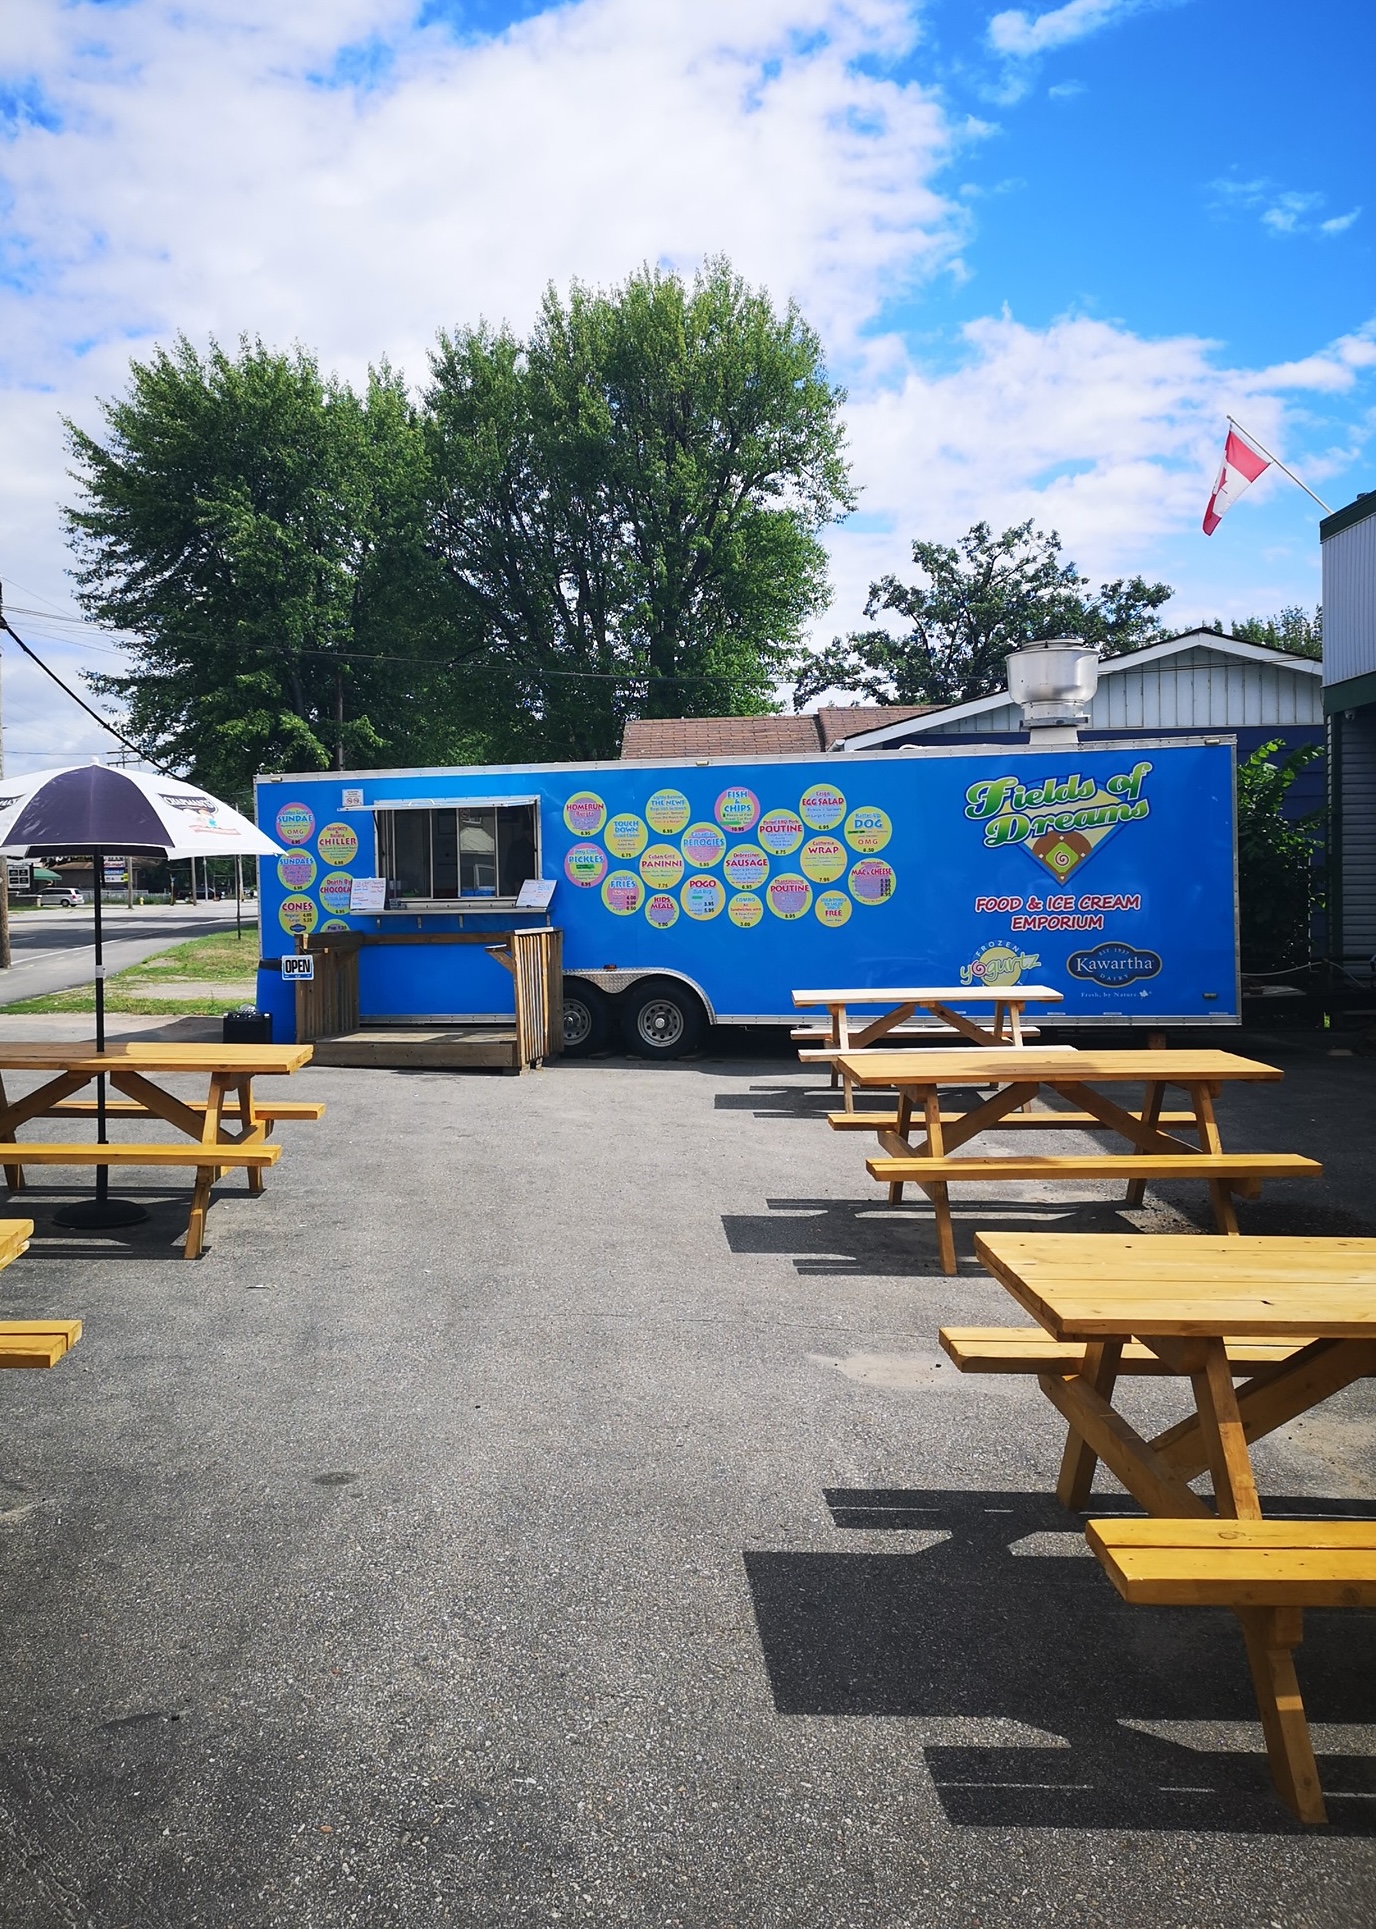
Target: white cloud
x,y
1021,35
1282,211
1340,223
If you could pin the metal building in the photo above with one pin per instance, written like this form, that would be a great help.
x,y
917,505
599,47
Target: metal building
x,y
1349,699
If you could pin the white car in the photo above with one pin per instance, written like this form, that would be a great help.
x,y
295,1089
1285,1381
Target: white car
x,y
66,898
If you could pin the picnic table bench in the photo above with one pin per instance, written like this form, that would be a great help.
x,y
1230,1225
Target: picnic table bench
x,y
827,1043
28,1342
926,1160
1295,1320
132,1067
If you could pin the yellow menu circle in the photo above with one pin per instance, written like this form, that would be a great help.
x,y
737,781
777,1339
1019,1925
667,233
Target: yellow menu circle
x,y
626,835
824,859
745,909
868,829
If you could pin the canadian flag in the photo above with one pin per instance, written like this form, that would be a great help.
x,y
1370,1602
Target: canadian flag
x,y
1241,467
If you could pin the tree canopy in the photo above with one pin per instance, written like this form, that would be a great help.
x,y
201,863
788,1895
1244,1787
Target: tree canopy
x,y
980,599
1291,629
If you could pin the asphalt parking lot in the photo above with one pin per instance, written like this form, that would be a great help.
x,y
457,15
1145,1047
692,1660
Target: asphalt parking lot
x,y
548,1502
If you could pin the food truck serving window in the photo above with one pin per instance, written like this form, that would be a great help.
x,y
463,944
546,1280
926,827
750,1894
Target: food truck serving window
x,y
438,854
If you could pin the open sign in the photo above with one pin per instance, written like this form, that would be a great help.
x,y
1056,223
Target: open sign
x,y
298,964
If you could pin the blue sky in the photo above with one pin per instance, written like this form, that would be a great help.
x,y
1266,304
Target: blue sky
x,y
1047,247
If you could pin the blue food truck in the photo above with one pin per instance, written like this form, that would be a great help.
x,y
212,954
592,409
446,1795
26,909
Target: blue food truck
x,y
697,892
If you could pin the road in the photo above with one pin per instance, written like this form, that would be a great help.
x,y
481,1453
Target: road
x,y
52,950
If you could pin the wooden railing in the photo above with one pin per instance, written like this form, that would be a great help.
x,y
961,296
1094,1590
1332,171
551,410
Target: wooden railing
x,y
327,1005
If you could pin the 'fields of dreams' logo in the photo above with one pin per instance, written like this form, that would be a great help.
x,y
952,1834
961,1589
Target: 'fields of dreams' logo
x,y
1113,964
1061,821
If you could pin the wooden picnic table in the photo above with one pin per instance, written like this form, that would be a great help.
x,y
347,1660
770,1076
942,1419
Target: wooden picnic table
x,y
30,1342
919,1078
842,1032
1205,1309
133,1068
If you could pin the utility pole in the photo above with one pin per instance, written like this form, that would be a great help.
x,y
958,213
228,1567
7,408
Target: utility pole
x,y
4,862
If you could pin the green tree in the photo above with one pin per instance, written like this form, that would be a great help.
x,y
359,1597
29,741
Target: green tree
x,y
984,597
259,533
1277,880
627,506
1291,630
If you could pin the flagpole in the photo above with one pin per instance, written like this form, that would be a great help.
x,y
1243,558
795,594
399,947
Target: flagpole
x,y
1262,449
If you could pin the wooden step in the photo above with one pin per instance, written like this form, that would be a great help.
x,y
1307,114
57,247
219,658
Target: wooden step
x,y
1043,1120
1239,1563
1124,1165
1030,1349
26,1343
188,1152
271,1108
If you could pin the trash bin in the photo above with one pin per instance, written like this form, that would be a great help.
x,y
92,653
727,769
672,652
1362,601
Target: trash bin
x,y
248,1026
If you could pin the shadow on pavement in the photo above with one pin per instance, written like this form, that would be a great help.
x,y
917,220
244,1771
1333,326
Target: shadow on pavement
x,y
967,1628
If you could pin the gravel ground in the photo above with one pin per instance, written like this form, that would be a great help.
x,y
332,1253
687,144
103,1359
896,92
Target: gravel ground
x,y
548,1503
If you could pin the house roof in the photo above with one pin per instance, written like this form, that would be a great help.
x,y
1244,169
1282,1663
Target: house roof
x,y
654,739
941,715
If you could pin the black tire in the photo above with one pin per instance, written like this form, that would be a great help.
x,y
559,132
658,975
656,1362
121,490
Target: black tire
x,y
661,1018
587,1019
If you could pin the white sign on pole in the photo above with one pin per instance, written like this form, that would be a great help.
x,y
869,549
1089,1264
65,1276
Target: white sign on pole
x,y
351,800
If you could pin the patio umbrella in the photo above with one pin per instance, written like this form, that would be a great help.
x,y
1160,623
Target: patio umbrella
x,y
137,814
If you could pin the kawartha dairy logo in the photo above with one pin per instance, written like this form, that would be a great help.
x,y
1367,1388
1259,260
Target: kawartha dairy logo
x,y
626,834
1062,820
789,896
294,823
586,864
822,807
1114,963
623,893
824,859
661,910
745,910
998,964
662,867
584,813
298,914
736,809
868,829
746,868
667,812
703,845
336,891
703,897
781,832
872,881
337,845
833,909
296,870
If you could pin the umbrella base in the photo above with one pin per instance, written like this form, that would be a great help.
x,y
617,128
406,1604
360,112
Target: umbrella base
x,y
98,1215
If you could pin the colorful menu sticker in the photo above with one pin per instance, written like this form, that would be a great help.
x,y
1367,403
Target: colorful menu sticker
x,y
295,822
703,897
824,859
868,829
872,881
746,867
296,869
662,867
626,834
336,889
623,893
736,809
745,909
336,924
822,807
832,908
586,864
584,813
667,812
780,832
298,914
703,845
661,910
789,896
337,845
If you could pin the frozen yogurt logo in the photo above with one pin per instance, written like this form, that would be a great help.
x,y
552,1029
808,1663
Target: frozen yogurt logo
x,y
662,867
822,807
336,891
789,896
661,910
294,822
1062,820
1114,963
703,846
824,859
872,881
626,834
586,864
737,808
584,813
781,831
623,893
746,867
337,845
998,964
296,870
667,812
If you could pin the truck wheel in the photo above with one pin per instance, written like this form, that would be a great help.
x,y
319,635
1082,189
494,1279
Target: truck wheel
x,y
587,1019
661,1018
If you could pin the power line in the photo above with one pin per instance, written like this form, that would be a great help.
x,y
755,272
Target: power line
x,y
66,689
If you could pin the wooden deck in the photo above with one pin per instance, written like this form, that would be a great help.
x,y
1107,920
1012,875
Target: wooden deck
x,y
396,1047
